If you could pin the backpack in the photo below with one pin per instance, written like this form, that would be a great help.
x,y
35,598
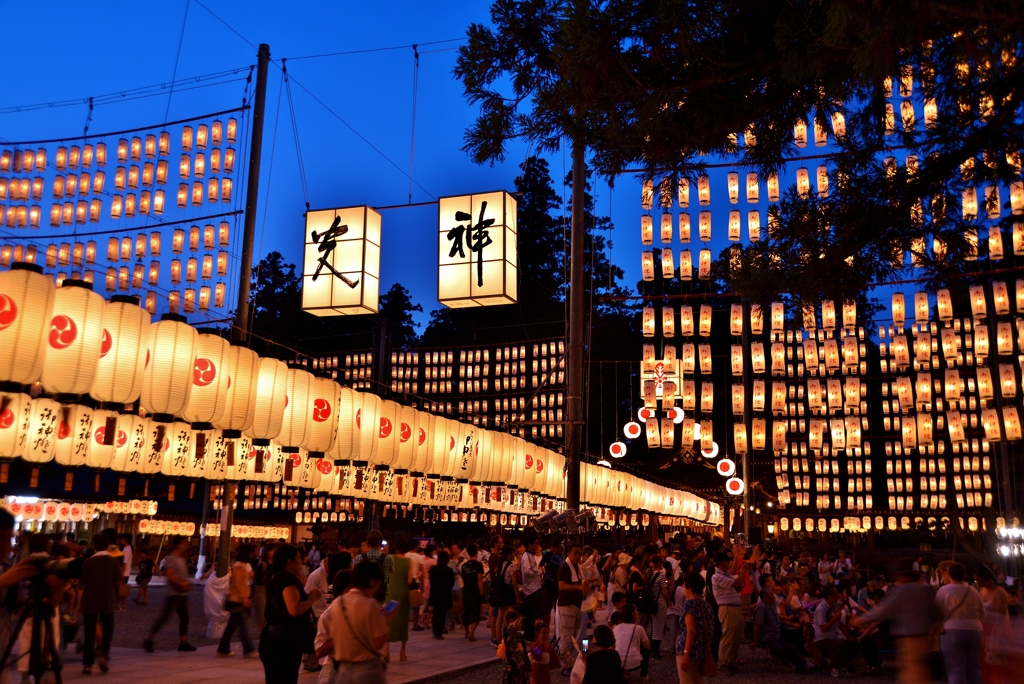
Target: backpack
x,y
381,594
550,582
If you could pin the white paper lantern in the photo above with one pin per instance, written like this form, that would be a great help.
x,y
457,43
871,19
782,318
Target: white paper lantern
x,y
74,430
128,456
270,400
26,311
242,367
122,362
323,416
241,461
177,459
107,435
423,442
169,365
388,435
15,420
407,436
73,344
368,423
208,397
346,442
295,420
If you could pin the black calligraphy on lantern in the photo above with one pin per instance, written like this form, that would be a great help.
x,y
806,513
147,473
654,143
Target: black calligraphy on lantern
x,y
476,237
327,242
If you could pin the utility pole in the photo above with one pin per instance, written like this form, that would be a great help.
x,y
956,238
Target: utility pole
x,y
241,326
574,413
748,393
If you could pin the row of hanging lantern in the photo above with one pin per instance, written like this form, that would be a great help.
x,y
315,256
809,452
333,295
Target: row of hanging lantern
x,y
879,523
215,410
48,510
603,487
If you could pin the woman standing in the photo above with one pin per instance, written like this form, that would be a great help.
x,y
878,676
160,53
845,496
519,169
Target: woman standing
x,y
517,668
442,581
998,632
238,604
658,587
694,631
961,642
398,590
502,596
290,629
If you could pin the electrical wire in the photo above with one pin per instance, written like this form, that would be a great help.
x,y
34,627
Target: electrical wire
x,y
384,49
415,91
295,133
214,15
177,56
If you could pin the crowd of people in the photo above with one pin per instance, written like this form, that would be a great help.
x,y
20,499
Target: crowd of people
x,y
594,615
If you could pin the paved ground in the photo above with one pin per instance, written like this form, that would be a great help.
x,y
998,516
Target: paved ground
x,y
131,625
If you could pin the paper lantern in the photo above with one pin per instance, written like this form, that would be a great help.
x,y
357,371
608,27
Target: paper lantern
x,y
341,267
107,435
298,404
617,449
477,261
177,455
407,437
128,453
323,418
26,307
75,338
898,310
270,402
125,342
734,486
388,434
648,321
368,423
347,436
208,396
74,430
15,421
647,265
169,366
739,441
241,367
240,457
726,467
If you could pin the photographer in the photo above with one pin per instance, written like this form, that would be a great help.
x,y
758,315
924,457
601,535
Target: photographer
x,y
101,579
10,579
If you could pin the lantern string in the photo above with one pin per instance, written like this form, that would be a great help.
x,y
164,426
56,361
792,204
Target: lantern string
x,y
295,133
415,90
177,56
88,118
134,93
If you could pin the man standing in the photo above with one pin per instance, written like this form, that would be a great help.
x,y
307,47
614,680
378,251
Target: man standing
x,y
178,587
316,580
533,576
314,557
828,635
726,587
551,563
472,572
100,581
374,554
125,542
415,557
571,586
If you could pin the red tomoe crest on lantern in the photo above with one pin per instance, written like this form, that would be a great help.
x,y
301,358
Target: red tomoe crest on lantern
x,y
63,332
359,414
8,311
324,466
107,343
385,427
100,434
321,410
451,445
63,430
204,372
51,509
423,436
404,432
540,465
296,459
6,419
646,413
528,462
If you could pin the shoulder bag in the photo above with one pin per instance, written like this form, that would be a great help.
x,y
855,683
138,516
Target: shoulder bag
x,y
344,612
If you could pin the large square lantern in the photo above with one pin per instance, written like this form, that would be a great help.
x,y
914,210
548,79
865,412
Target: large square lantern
x,y
477,243
341,266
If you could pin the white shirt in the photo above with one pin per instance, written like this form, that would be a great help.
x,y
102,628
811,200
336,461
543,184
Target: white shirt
x,y
628,639
533,574
417,565
318,579
723,586
127,551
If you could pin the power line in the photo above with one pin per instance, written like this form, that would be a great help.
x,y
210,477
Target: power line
x,y
177,56
383,49
226,24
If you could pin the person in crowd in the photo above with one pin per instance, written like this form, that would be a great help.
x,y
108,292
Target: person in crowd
x,y
515,661
694,631
843,565
442,581
829,638
542,655
339,566
398,590
603,663
373,553
314,557
359,628
316,579
143,577
260,581
768,633
178,588
571,587
631,642
502,595
998,633
551,562
909,606
726,587
533,579
124,542
290,629
472,572
657,590
415,556
100,581
238,603
962,640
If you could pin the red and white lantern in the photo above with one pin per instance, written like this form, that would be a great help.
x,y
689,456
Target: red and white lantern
x,y
208,396
123,348
26,311
323,416
170,361
75,338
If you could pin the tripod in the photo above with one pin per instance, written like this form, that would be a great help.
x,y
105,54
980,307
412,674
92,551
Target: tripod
x,y
40,609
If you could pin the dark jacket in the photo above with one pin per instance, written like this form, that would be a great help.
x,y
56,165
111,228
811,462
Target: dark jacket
x,y
101,577
442,581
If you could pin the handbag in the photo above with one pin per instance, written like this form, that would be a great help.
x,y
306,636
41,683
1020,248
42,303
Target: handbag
x,y
415,598
123,590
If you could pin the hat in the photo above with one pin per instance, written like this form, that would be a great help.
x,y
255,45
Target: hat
x,y
624,559
722,556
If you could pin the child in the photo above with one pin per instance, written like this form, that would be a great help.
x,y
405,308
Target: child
x,y
541,654
143,577
516,663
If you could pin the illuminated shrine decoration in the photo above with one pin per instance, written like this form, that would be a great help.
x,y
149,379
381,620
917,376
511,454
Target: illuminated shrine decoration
x,y
477,259
341,264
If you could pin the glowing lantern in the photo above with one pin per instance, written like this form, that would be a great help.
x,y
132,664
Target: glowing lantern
x,y
177,455
169,366
668,321
646,230
44,428
73,435
1011,423
15,420
26,309
898,310
76,335
208,395
705,320
473,271
739,441
778,317
123,349
726,467
734,486
631,430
